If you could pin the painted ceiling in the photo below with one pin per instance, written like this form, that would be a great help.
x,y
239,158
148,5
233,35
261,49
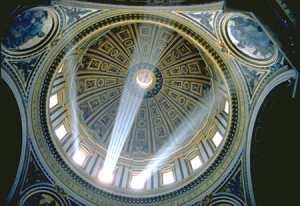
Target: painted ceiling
x,y
181,87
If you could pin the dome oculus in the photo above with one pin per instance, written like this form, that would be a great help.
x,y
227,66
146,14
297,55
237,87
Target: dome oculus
x,y
144,78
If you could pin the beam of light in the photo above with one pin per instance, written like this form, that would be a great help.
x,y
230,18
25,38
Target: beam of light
x,y
72,101
128,109
129,106
183,132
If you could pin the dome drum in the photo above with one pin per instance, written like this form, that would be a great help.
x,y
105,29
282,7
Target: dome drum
x,y
181,90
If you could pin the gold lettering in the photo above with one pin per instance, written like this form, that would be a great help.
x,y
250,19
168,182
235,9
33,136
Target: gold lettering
x,y
183,199
79,192
86,196
68,182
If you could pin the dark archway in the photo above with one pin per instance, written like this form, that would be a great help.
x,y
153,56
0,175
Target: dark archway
x,y
11,139
274,147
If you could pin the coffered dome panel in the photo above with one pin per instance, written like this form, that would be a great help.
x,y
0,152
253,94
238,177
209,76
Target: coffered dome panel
x,y
181,85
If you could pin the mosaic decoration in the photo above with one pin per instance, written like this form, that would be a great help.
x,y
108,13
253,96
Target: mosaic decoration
x,y
74,14
234,186
181,84
25,67
43,199
248,38
206,19
28,29
34,174
252,77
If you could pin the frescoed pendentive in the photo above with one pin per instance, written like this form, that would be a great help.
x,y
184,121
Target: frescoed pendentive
x,y
29,29
206,19
73,14
252,77
248,38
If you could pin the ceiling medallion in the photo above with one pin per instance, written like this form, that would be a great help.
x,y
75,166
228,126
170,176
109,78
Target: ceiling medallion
x,y
30,31
247,40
